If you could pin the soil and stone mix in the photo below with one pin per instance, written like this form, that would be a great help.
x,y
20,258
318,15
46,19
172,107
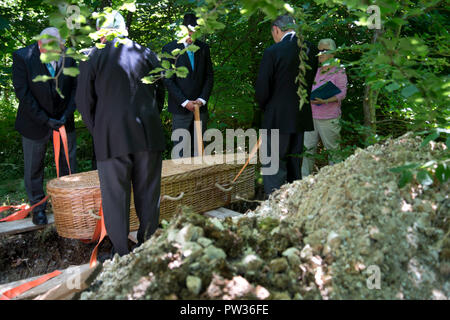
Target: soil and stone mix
x,y
348,232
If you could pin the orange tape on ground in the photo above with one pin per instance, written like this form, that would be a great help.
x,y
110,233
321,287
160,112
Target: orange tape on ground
x,y
23,213
17,291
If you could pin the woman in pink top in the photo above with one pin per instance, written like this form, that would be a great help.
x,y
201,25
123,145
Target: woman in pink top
x,y
326,113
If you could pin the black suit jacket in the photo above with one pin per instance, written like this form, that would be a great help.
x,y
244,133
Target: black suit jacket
x,y
276,89
39,101
198,83
121,112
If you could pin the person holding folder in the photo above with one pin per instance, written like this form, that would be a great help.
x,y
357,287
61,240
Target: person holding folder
x,y
328,91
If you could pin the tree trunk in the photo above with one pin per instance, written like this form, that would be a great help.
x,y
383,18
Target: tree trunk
x,y
370,98
369,104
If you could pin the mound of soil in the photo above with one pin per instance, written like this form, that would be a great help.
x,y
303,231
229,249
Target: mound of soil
x,y
348,232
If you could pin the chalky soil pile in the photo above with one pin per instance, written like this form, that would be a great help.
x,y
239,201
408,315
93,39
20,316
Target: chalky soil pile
x,y
348,232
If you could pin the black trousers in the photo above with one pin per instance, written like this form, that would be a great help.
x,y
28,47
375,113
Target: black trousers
x,y
34,156
142,171
290,148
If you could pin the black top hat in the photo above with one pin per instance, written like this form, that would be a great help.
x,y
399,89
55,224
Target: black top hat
x,y
190,20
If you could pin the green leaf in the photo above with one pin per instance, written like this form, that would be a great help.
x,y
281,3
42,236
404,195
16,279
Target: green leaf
x,y
409,91
431,137
148,79
165,64
175,51
42,78
392,87
169,73
60,93
405,167
423,177
100,45
73,72
192,48
447,143
129,7
49,56
405,178
182,72
157,70
442,172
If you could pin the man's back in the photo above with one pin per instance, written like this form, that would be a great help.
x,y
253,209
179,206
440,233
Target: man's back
x,y
119,109
276,88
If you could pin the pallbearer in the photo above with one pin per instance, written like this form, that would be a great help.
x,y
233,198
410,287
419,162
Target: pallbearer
x,y
276,92
41,111
123,115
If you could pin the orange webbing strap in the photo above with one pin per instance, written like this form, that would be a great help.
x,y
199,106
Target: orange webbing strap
x,y
17,291
57,135
99,234
252,153
23,213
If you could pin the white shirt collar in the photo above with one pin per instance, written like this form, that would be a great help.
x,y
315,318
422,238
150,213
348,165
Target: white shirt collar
x,y
292,33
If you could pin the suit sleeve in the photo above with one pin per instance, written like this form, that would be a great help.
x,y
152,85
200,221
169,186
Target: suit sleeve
x,y
160,93
23,91
85,97
209,80
71,106
171,86
265,78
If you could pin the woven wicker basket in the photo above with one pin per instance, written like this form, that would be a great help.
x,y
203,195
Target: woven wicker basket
x,y
76,198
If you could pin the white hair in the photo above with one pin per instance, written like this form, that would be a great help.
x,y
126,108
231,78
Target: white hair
x,y
113,20
328,42
51,31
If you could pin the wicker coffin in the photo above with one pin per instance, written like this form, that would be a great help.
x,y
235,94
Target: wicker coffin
x,y
202,186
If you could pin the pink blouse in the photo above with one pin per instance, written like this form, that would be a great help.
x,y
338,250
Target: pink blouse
x,y
330,110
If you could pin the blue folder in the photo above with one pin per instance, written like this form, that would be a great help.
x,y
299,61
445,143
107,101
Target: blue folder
x,y
325,91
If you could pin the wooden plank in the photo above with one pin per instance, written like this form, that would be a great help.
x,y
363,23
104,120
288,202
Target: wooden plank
x,y
69,288
10,285
221,213
228,212
24,225
133,236
68,283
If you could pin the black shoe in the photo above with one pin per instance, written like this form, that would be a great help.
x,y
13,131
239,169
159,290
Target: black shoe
x,y
39,218
106,256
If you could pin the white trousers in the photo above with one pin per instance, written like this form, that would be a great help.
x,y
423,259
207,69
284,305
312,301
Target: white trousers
x,y
329,132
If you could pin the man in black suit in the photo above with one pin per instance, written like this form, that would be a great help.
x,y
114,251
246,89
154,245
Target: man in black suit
x,y
276,93
123,115
42,110
195,89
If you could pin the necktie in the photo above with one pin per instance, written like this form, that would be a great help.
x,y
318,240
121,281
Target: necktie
x,y
50,69
191,58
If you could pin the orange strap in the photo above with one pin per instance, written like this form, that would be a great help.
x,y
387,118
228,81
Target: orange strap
x,y
24,211
17,291
99,234
252,153
57,136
